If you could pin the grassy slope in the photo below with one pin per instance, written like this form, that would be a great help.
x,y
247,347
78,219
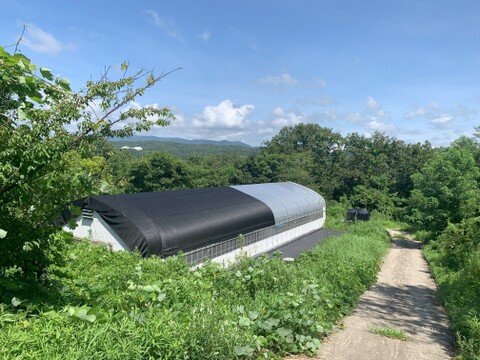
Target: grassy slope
x,y
105,305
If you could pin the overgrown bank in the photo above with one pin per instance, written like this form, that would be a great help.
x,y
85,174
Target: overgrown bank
x,y
106,305
455,263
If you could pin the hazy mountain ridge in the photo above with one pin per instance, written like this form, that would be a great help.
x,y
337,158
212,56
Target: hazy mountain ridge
x,y
180,140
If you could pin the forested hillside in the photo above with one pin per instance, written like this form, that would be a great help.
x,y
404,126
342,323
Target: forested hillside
x,y
182,150
44,167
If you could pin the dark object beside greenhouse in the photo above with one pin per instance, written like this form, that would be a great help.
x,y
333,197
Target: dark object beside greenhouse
x,y
358,214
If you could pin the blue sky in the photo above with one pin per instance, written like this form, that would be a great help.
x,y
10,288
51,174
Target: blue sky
x,y
408,68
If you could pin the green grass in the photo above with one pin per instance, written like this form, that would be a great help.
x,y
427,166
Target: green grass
x,y
389,332
115,305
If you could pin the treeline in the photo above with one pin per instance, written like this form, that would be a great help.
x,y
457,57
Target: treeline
x,y
182,150
369,172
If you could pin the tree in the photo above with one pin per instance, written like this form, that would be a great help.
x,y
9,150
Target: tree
x,y
446,190
158,172
44,166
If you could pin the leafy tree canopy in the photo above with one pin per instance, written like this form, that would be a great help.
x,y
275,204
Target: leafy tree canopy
x,y
446,189
47,141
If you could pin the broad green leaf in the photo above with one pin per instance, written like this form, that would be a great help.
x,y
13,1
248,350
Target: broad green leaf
x,y
244,321
21,114
64,83
46,73
89,318
253,315
283,332
243,350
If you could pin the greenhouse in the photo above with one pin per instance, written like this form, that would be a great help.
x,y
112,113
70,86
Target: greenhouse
x,y
215,223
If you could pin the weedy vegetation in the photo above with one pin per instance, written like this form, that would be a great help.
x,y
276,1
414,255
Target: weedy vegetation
x,y
390,333
116,305
455,263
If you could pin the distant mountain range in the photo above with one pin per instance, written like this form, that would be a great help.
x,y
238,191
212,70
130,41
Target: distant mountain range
x,y
180,140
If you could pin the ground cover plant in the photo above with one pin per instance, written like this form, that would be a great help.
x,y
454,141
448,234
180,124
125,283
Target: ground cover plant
x,y
107,305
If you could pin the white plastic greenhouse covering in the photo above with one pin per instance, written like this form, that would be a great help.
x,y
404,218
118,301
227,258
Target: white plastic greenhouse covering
x,y
286,200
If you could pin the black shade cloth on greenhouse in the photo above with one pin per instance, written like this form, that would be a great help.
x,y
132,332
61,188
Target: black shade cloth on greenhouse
x,y
164,223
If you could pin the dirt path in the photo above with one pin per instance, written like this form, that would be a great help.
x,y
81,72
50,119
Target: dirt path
x,y
403,299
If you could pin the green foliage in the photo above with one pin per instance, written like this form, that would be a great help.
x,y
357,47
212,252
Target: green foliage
x,y
278,167
376,171
43,166
375,199
446,190
159,171
122,306
336,212
217,170
455,262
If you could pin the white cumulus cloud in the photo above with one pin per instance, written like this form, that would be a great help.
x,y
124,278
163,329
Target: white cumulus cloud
x,y
224,115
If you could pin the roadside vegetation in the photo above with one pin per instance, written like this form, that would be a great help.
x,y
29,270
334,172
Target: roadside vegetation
x,y
115,305
64,299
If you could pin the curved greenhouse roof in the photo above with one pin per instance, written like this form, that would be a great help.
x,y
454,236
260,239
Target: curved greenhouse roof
x,y
286,200
164,223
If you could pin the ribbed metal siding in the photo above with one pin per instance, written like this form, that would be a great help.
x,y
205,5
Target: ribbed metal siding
x,y
286,200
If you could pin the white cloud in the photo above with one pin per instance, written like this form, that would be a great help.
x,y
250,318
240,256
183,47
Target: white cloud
x,y
438,117
286,79
442,120
39,40
371,103
355,117
225,115
167,26
283,118
205,35
282,79
378,125
428,111
372,118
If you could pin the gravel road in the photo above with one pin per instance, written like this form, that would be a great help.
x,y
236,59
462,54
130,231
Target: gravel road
x,y
404,298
